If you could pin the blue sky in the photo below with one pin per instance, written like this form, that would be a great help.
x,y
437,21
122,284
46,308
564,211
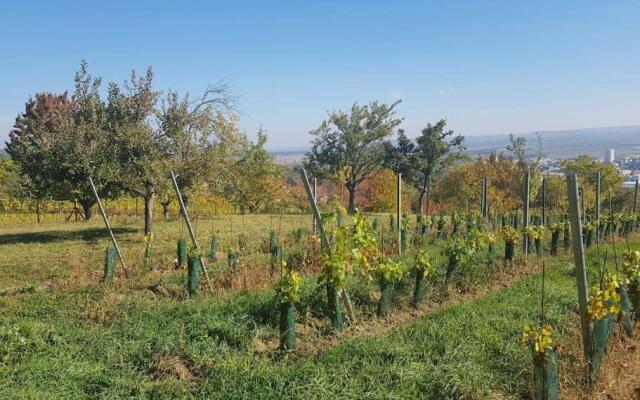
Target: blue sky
x,y
486,66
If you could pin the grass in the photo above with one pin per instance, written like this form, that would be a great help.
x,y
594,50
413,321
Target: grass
x,y
80,339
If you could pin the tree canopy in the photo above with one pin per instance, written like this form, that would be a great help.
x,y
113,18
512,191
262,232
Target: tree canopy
x,y
419,161
350,146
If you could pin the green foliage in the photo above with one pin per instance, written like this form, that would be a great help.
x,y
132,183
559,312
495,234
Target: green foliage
x,y
350,146
510,234
587,168
288,289
422,264
432,152
460,249
390,271
518,147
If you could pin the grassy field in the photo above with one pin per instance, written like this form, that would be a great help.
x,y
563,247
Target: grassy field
x,y
63,334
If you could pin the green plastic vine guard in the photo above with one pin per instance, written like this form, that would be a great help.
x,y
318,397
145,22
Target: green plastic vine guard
x,y
110,264
386,292
193,277
403,239
213,249
546,375
566,238
509,249
182,252
419,290
452,266
148,257
299,235
634,295
626,314
287,326
232,260
555,239
598,345
335,308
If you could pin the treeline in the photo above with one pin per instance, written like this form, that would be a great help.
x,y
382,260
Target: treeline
x,y
130,139
360,145
128,142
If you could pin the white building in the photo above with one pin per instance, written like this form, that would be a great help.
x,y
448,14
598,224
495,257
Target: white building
x,y
609,156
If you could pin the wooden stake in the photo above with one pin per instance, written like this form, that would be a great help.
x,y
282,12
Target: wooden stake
x,y
315,196
544,201
635,197
598,207
324,239
579,259
525,241
399,211
106,222
194,241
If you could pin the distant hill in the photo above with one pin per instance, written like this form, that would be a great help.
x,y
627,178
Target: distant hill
x,y
567,144
555,144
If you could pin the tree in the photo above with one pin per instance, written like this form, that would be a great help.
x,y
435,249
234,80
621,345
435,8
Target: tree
x,y
350,147
142,154
459,188
517,147
587,168
248,176
59,142
188,129
432,152
33,140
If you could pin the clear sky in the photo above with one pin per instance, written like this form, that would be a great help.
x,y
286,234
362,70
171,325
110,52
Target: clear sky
x,y
486,66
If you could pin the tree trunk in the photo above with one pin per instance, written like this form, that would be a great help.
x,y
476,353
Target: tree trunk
x,y
428,194
87,207
38,210
423,191
165,211
148,213
351,209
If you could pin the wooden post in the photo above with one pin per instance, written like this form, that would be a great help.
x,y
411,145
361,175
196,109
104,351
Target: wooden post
x,y
428,195
194,241
486,197
635,197
578,254
106,222
544,201
399,211
525,222
323,237
598,212
583,212
314,208
315,196
482,205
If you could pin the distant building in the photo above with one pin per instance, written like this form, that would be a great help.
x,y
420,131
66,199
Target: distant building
x,y
609,156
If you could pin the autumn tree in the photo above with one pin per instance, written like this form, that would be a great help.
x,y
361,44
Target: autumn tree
x,y
187,127
250,177
518,147
350,146
459,189
419,161
587,168
142,154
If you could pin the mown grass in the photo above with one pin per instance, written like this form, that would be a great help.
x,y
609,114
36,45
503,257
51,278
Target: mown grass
x,y
125,341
